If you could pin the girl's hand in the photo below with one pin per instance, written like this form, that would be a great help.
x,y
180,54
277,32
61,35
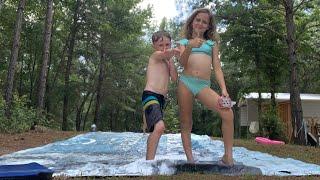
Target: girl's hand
x,y
224,93
224,102
196,42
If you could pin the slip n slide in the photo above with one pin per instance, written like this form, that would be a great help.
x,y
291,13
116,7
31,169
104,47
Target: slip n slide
x,y
102,154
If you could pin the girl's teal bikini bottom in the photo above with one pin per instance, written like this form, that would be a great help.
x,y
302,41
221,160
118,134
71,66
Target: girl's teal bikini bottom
x,y
194,84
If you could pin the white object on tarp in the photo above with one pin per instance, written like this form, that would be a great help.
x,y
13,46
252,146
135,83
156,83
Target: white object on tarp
x,y
93,128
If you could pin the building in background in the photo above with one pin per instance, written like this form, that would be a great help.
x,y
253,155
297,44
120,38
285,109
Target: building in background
x,y
248,109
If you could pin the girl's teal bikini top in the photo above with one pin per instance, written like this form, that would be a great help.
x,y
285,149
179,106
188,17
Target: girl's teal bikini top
x,y
206,46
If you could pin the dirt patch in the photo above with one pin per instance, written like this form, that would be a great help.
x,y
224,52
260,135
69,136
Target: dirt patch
x,y
10,143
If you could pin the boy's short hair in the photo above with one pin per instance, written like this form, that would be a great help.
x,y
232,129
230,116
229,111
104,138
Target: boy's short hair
x,y
160,34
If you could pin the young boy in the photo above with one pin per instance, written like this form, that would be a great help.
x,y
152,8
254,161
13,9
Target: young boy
x,y
160,69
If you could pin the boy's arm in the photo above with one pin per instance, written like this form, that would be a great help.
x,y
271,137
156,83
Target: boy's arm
x,y
172,70
160,55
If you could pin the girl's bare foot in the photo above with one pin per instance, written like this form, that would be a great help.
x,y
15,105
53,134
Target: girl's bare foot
x,y
226,161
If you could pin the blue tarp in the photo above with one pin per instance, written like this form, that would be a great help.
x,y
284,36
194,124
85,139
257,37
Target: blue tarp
x,y
123,154
33,170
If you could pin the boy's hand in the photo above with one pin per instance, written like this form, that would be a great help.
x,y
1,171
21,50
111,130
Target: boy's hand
x,y
172,69
169,53
170,63
176,52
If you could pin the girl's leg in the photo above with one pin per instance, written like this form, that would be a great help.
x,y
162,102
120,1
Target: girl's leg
x,y
209,98
185,100
153,140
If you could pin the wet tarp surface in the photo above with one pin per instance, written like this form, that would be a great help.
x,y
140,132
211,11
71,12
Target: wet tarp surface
x,y
117,154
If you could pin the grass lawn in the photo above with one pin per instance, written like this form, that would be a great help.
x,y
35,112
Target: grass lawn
x,y
303,153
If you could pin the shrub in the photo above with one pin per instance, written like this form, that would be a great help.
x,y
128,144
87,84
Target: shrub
x,y
171,118
272,125
22,117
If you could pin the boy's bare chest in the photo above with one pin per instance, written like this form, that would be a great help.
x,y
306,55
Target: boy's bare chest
x,y
160,63
159,67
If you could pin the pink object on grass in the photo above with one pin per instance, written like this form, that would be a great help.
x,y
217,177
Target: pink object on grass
x,y
263,140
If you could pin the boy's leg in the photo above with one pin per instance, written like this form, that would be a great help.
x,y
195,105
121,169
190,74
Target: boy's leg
x,y
153,140
185,100
209,98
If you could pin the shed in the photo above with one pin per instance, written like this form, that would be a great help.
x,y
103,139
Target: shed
x,y
310,103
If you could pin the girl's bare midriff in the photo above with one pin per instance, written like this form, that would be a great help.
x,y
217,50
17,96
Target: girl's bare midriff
x,y
199,65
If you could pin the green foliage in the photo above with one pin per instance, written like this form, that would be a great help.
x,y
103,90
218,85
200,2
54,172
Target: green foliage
x,y
254,44
22,117
253,56
308,39
163,24
272,125
205,121
171,118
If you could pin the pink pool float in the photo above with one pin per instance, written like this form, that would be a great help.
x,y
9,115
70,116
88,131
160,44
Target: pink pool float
x,y
263,140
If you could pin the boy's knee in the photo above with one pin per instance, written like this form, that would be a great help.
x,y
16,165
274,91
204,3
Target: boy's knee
x,y
159,127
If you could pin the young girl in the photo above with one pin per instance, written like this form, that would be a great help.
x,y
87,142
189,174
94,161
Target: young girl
x,y
199,52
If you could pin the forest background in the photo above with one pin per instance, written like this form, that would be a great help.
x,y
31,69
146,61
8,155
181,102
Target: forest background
x,y
70,64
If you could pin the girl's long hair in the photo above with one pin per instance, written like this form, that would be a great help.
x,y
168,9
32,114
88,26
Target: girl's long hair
x,y
211,33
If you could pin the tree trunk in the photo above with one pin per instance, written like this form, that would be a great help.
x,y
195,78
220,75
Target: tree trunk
x,y
1,4
100,82
86,116
111,116
115,117
273,91
73,32
296,109
32,67
257,61
21,76
48,85
46,54
13,59
79,111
